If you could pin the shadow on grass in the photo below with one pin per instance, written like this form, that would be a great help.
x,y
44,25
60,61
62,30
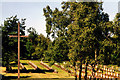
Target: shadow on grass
x,y
30,70
13,77
24,64
13,64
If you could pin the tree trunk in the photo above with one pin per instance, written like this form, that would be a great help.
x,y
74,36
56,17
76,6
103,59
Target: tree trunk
x,y
8,68
75,72
86,70
80,71
95,54
93,71
30,55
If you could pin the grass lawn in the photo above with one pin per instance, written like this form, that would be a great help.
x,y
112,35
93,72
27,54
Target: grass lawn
x,y
45,79
61,75
2,70
26,65
36,62
16,68
61,72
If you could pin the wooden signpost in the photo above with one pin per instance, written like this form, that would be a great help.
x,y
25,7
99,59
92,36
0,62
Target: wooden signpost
x,y
18,48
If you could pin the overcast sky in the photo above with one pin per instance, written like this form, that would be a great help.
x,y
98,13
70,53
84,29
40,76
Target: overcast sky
x,y
33,11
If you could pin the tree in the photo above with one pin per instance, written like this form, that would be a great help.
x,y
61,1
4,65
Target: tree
x,y
56,22
33,35
30,49
56,27
9,45
58,50
85,31
41,47
89,34
112,44
31,42
116,36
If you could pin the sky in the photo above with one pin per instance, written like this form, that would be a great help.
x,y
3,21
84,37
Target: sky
x,y
33,11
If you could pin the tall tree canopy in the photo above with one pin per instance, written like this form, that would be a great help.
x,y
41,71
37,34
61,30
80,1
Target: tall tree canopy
x,y
85,28
9,45
41,47
85,31
56,27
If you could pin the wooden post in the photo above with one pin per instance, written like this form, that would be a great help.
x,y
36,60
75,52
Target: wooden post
x,y
18,48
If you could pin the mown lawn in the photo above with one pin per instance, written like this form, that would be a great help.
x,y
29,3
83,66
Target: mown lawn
x,y
61,75
26,65
36,62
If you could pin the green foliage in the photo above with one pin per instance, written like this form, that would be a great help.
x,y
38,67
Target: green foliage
x,y
41,47
87,33
51,63
31,42
56,27
33,35
57,50
30,49
56,22
9,45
